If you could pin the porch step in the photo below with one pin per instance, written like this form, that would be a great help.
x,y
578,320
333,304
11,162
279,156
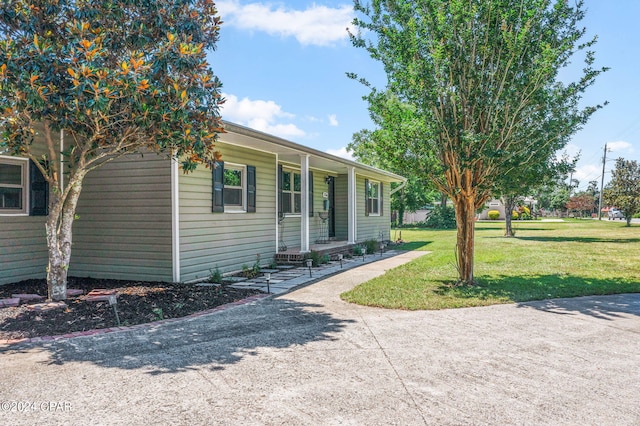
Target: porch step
x,y
297,259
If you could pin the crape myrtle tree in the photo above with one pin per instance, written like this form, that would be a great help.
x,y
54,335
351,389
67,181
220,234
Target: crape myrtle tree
x,y
623,191
116,77
522,179
483,75
392,146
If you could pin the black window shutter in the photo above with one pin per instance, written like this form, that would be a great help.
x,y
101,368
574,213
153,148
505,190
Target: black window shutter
x,y
381,199
218,187
38,192
366,197
280,213
310,194
251,189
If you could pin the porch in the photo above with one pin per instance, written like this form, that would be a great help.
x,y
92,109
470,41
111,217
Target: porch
x,y
331,248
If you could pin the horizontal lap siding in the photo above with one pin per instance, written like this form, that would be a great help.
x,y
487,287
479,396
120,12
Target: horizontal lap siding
x,y
123,229
342,207
23,248
226,240
291,226
370,227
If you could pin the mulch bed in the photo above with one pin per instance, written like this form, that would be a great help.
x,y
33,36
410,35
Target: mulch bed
x,y
138,302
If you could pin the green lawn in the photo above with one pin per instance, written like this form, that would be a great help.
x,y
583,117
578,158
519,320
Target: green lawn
x,y
545,260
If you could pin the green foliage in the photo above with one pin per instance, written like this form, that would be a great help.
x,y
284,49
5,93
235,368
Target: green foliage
x,y
357,251
623,191
371,245
116,77
493,214
315,257
477,84
442,217
514,214
215,276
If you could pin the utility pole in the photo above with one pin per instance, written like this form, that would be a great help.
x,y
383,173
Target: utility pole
x,y
604,159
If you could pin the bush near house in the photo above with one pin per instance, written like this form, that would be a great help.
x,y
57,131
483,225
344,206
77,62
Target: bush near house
x,y
493,214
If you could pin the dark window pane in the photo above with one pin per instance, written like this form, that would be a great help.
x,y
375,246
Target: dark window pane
x,y
10,174
297,185
286,203
297,203
10,198
286,181
232,197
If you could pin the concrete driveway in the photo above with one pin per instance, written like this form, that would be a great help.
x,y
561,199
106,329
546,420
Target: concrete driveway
x,y
308,358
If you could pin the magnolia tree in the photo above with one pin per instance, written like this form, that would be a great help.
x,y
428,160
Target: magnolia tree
x,y
115,77
482,75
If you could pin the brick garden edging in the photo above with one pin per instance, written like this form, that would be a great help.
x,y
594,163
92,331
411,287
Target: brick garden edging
x,y
41,339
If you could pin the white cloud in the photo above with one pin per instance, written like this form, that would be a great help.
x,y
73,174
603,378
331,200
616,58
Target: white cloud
x,y
587,173
333,121
619,146
316,25
341,152
260,115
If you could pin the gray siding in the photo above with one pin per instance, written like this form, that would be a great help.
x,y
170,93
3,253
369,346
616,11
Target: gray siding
x,y
23,248
370,227
123,229
226,240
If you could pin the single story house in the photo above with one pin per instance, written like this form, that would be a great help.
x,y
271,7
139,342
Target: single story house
x,y
140,217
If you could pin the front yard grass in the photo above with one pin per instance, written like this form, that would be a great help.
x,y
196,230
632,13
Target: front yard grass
x,y
544,260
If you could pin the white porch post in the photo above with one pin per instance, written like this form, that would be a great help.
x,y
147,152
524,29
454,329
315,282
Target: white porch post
x,y
277,206
175,219
304,210
351,212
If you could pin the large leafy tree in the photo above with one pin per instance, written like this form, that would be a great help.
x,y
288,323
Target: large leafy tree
x,y
116,77
483,75
623,191
392,146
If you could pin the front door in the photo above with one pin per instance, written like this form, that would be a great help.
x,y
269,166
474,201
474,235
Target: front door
x,y
332,207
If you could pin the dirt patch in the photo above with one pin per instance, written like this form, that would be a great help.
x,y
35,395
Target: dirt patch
x,y
138,302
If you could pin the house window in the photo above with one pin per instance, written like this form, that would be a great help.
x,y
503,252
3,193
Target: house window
x,y
234,184
291,192
13,186
373,198
234,188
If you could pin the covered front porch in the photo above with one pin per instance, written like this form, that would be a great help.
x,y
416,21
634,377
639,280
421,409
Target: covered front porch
x,y
297,256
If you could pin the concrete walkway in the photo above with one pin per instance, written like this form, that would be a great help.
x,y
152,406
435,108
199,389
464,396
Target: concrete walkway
x,y
306,357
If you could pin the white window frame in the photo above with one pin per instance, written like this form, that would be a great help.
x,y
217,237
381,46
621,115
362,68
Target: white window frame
x,y
24,163
291,193
243,188
379,198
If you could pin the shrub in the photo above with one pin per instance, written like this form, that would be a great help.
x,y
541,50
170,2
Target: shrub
x,y
442,217
371,246
216,276
493,214
357,251
315,257
514,215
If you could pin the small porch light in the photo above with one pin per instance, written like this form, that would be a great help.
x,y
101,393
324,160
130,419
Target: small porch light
x,y
340,259
267,275
309,264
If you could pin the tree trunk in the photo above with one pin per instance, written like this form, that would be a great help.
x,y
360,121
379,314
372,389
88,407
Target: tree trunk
x,y
465,218
509,203
59,236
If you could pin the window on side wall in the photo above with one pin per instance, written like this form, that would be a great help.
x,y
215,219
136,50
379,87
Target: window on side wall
x,y
373,198
234,188
23,188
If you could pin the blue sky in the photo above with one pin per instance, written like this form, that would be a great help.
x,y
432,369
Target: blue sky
x,y
283,65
